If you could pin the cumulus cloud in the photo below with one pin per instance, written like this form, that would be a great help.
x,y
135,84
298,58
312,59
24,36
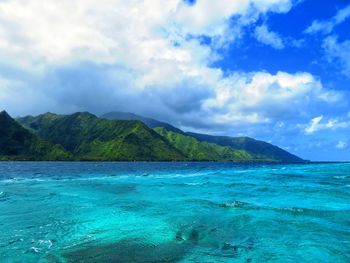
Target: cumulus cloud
x,y
263,97
108,30
267,37
257,97
146,57
326,26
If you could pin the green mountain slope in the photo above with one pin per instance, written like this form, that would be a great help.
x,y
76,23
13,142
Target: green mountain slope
x,y
203,151
17,143
151,123
91,138
262,150
88,137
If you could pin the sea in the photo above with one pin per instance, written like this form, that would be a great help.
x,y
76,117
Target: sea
x,y
174,212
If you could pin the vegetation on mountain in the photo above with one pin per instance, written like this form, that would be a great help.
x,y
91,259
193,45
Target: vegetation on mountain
x,y
151,123
119,136
203,151
260,149
17,143
88,137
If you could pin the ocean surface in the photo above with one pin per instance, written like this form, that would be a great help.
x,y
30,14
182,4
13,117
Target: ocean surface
x,y
174,212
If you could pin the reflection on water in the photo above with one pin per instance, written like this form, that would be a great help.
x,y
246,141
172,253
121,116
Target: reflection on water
x,y
174,212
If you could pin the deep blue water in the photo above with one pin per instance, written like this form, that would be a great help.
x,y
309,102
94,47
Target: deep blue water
x,y
174,212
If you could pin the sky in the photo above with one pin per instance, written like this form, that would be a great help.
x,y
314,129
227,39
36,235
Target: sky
x,y
275,70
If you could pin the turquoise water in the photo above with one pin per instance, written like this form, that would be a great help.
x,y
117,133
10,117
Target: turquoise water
x,y
174,212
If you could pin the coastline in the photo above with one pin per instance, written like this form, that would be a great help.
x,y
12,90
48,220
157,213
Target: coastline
x,y
174,161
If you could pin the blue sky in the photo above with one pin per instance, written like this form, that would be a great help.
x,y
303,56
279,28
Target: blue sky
x,y
276,70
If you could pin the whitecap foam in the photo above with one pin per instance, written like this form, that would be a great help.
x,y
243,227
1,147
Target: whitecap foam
x,y
11,180
340,176
193,184
35,249
48,243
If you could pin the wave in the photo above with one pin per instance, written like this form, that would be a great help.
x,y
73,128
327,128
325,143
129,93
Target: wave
x,y
56,178
4,196
194,184
236,204
341,176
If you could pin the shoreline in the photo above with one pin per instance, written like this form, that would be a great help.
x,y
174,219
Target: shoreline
x,y
167,161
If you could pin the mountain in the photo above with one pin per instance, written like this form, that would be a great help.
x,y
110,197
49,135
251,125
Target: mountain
x,y
88,137
260,149
203,151
17,143
151,123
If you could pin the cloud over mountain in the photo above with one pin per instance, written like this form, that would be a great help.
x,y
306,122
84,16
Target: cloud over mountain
x,y
159,58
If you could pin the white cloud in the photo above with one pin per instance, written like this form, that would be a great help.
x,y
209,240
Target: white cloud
x,y
261,97
331,96
341,145
147,57
316,125
338,52
326,26
263,35
114,31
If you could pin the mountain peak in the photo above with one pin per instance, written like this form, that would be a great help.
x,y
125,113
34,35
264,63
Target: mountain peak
x,y
5,117
83,114
4,113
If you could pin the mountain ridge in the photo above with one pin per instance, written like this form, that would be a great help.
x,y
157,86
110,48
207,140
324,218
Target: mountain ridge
x,y
91,138
259,149
203,151
136,138
150,122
